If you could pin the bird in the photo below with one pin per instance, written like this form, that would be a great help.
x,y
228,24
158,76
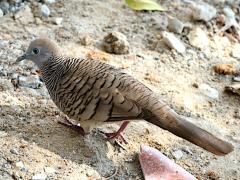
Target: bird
x,y
92,92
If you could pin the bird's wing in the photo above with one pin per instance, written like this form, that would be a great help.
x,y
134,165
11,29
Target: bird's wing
x,y
110,104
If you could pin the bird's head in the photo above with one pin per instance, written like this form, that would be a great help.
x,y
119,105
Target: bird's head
x,y
40,51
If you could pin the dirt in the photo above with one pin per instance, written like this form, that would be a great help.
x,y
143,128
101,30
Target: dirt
x,y
28,129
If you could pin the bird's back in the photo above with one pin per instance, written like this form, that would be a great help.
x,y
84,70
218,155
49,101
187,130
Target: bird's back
x,y
92,90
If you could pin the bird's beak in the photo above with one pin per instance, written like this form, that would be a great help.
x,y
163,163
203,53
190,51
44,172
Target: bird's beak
x,y
21,58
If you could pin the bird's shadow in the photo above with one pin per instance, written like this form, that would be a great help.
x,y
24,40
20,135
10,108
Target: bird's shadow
x,y
92,150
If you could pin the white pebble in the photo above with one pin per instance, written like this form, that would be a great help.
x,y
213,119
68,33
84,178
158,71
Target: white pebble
x,y
30,81
45,10
20,164
236,51
177,154
49,170
40,176
58,21
209,91
203,11
1,13
173,42
50,1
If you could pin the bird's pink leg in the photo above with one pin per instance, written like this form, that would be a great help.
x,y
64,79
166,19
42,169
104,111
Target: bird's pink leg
x,y
118,133
67,123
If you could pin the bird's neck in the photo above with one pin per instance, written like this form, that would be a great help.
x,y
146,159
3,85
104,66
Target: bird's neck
x,y
52,71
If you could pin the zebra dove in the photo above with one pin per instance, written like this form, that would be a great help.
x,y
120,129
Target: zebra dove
x,y
92,92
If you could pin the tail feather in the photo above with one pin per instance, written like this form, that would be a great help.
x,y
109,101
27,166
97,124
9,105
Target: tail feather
x,y
171,121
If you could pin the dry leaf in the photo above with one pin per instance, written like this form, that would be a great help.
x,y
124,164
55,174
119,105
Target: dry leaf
x,y
225,69
144,5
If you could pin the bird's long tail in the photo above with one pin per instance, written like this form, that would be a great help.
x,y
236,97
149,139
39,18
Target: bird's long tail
x,y
168,119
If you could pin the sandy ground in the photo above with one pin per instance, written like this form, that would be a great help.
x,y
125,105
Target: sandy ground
x,y
33,143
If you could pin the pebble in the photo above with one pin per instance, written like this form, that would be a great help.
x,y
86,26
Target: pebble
x,y
14,151
236,51
175,25
209,91
116,43
40,176
236,79
25,15
4,6
30,81
173,42
177,154
203,11
50,1
86,40
198,38
3,43
45,10
20,164
1,13
50,170
58,21
7,166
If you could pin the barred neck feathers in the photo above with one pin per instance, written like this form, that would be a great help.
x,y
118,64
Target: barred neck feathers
x,y
54,69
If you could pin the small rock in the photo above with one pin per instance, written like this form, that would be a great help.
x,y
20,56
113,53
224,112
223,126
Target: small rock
x,y
3,134
1,13
50,1
236,79
7,166
38,21
25,15
14,151
116,43
89,173
177,154
3,43
19,164
173,42
4,6
203,11
58,21
209,91
236,51
30,81
198,38
175,25
45,10
40,176
49,170
86,41
229,12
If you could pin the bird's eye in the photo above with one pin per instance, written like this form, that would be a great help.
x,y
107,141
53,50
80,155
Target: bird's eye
x,y
35,50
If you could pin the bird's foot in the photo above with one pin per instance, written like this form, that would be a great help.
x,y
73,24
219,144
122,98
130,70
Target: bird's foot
x,y
118,134
68,123
114,136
